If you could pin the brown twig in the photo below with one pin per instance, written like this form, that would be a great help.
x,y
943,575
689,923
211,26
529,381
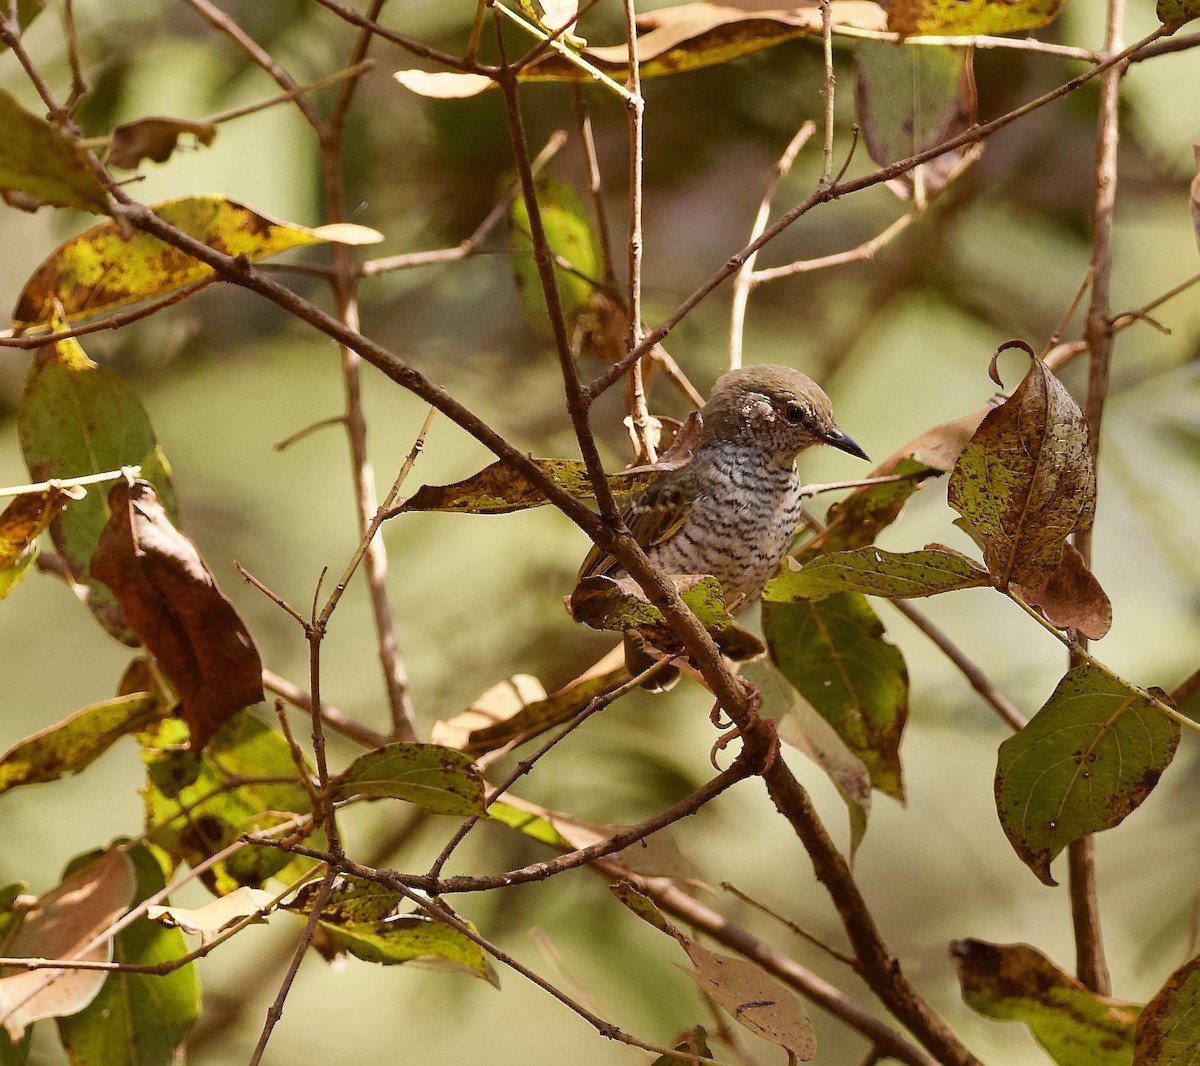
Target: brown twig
x,y
331,716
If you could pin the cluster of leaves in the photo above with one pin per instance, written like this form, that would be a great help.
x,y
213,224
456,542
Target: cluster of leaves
x,y
233,798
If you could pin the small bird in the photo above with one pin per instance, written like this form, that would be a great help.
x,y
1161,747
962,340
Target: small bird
x,y
732,510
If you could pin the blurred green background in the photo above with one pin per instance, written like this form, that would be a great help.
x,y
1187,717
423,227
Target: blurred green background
x,y
901,342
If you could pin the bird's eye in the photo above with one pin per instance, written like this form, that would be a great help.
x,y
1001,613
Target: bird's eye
x,y
795,414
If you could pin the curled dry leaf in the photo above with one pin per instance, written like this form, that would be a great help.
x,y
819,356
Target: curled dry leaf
x,y
219,914
443,84
154,139
173,603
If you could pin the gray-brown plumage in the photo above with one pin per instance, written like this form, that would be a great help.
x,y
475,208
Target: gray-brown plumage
x,y
733,509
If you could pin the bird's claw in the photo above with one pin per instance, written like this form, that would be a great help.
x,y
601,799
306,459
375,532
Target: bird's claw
x,y
754,702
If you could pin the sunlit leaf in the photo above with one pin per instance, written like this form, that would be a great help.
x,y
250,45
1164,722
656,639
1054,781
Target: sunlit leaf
x,y
439,779
619,605
21,523
61,925
67,747
1015,982
153,138
688,36
41,165
443,84
350,900
138,1019
1084,762
412,938
803,728
76,418
111,266
1026,479
220,914
1168,1030
172,601
572,240
875,572
835,654
964,18
198,804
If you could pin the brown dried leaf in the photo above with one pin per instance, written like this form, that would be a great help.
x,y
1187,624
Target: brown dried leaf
x,y
172,601
443,84
497,705
154,139
1072,597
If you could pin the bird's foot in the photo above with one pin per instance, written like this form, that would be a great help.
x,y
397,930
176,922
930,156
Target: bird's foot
x,y
734,732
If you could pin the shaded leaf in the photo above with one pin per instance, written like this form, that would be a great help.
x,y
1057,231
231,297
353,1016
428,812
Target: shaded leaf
x,y
439,779
500,488
412,938
964,18
1168,1029
834,653
220,914
619,604
1072,597
173,603
108,266
443,84
60,926
645,908
803,728
573,244
875,572
909,100
1084,762
198,803
41,165
138,1019
76,418
689,36
69,746
477,730
497,705
694,1041
1015,982
1026,479
153,138
1169,11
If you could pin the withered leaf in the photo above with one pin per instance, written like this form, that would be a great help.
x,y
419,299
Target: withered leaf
x,y
1072,597
173,603
153,138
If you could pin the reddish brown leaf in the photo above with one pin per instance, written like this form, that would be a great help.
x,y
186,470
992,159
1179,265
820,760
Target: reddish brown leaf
x,y
154,139
172,601
1072,597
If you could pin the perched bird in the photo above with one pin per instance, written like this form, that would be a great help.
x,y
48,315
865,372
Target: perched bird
x,y
733,509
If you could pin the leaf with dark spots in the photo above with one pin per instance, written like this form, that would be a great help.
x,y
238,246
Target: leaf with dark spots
x,y
966,18
1169,11
1168,1030
1015,982
619,605
21,523
1072,597
153,138
875,572
1085,761
1026,480
439,779
835,654
172,600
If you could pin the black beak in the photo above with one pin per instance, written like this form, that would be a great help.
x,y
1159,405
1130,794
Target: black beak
x,y
843,443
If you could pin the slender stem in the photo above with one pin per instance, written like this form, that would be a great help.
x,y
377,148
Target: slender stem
x,y
827,91
70,482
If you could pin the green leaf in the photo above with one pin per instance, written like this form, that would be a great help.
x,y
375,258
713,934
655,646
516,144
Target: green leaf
x,y
834,653
138,1019
197,804
644,907
74,418
689,36
412,938
111,266
531,825
350,901
803,728
1026,480
41,163
573,244
1169,11
874,572
1084,762
439,779
965,18
74,743
1168,1030
619,605
500,489
1015,982
15,1053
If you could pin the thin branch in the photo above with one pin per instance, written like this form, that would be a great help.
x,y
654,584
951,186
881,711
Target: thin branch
x,y
1018,44
70,482
409,44
331,716
827,91
742,282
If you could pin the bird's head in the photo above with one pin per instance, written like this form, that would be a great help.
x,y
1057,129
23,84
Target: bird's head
x,y
779,410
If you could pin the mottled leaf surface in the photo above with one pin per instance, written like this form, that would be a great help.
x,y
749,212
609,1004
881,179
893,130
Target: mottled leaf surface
x,y
439,779
1015,982
1169,11
835,654
1072,597
1084,762
21,523
1168,1030
1026,480
172,601
875,572
964,18
411,938
620,605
